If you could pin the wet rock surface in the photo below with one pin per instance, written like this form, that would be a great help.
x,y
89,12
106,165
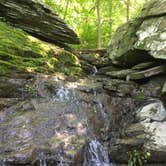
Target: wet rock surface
x,y
96,119
58,117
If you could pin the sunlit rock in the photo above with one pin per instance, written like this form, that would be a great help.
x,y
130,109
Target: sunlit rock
x,y
152,37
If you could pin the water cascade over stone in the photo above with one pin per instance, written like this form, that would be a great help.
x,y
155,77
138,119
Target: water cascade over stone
x,y
94,70
96,155
42,159
4,162
101,109
62,94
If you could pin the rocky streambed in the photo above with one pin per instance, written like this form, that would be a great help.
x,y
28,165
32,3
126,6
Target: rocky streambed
x,y
61,109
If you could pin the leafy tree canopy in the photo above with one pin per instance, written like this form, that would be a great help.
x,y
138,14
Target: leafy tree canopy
x,y
82,16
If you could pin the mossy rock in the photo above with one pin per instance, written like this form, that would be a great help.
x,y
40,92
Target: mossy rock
x,y
20,52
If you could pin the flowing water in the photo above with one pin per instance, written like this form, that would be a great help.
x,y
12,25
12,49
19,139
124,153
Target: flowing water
x,y
96,155
64,108
42,159
62,94
4,162
94,71
101,109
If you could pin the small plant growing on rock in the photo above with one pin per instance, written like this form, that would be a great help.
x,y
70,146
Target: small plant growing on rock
x,y
30,90
137,158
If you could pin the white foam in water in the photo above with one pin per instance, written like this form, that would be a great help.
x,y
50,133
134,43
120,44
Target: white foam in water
x,y
61,162
42,159
94,70
42,162
62,94
4,162
96,155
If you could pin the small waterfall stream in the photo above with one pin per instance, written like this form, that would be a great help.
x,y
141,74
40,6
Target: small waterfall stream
x,y
4,162
96,155
42,159
94,70
62,94
101,109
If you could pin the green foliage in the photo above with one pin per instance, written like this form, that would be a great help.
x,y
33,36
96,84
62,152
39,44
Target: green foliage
x,y
30,90
81,15
21,52
137,158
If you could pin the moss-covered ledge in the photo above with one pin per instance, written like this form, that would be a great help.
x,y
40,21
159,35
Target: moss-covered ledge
x,y
21,52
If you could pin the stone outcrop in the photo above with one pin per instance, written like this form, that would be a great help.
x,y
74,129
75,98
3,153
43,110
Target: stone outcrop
x,y
141,40
139,46
55,119
152,37
38,20
154,8
51,118
145,132
138,53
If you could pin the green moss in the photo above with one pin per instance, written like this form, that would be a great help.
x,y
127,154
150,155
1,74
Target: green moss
x,y
20,52
67,63
140,96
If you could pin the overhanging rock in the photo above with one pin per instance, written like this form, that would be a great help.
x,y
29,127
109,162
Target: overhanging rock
x,y
38,20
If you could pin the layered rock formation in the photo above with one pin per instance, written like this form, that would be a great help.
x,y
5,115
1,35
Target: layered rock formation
x,y
51,119
38,20
48,118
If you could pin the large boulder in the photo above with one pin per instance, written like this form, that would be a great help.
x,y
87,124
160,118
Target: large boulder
x,y
144,134
154,8
120,47
141,40
38,20
151,37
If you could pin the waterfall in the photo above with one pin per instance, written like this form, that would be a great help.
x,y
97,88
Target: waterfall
x,y
42,159
94,71
96,155
36,89
4,162
65,94
101,109
62,94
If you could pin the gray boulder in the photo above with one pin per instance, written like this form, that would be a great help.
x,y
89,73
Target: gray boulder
x,y
141,40
154,8
120,47
144,133
152,37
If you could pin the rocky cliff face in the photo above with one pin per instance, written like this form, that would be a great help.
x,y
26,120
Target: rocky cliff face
x,y
60,109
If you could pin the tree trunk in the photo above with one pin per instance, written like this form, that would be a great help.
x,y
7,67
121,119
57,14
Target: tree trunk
x,y
128,10
99,24
66,8
110,11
